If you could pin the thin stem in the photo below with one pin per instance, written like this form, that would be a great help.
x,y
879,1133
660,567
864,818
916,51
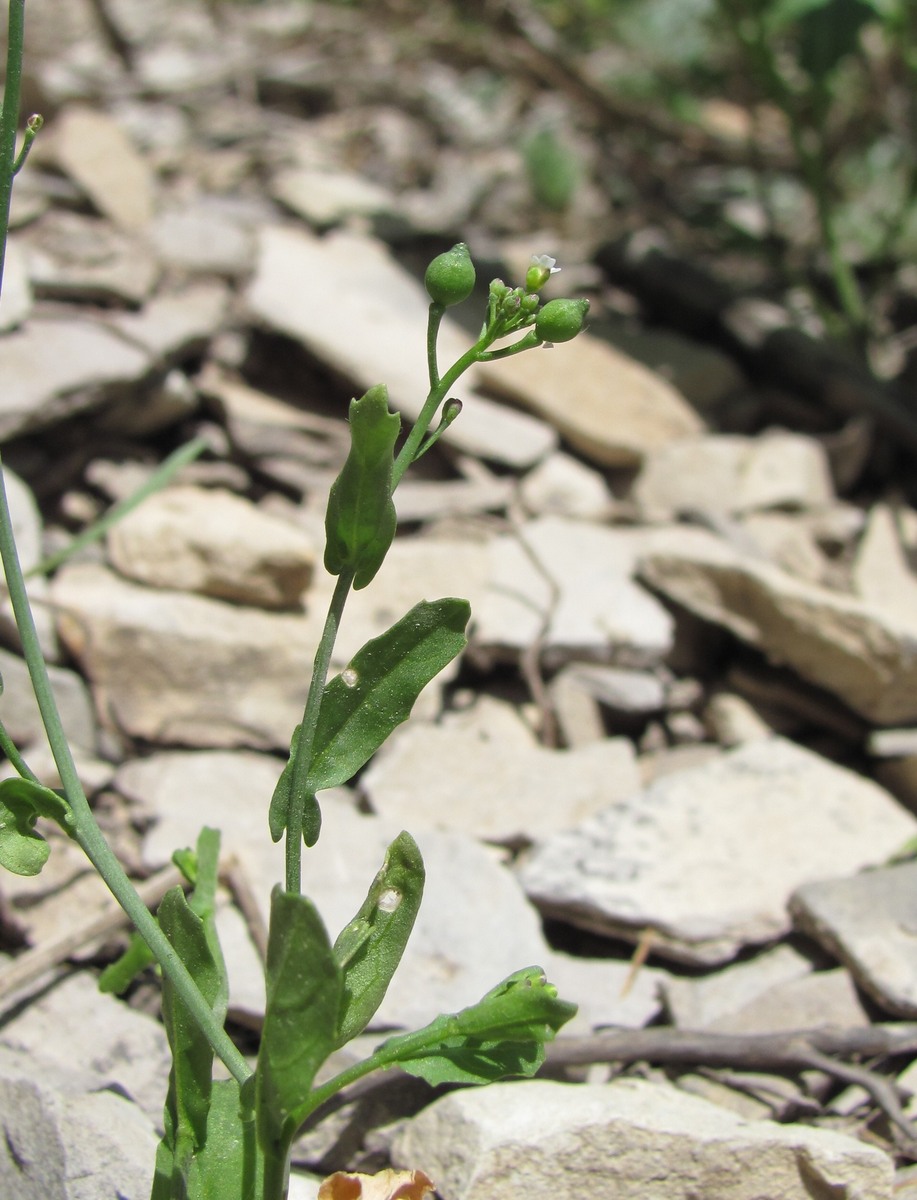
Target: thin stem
x,y
9,117
434,320
16,761
436,396
306,740
85,830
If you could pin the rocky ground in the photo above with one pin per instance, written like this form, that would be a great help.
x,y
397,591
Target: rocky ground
x,y
677,765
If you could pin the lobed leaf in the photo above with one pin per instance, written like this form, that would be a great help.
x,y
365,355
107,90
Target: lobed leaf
x,y
360,521
369,949
503,1034
378,688
22,801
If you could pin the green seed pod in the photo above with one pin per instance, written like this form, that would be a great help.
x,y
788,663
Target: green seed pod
x,y
450,277
561,320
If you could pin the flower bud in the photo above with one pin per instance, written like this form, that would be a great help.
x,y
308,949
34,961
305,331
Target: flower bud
x,y
540,271
561,320
450,277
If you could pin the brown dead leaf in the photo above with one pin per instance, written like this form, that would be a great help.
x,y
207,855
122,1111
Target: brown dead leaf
x,y
385,1185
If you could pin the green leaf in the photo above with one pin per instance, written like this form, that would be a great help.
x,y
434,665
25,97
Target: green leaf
x,y
22,801
377,690
190,1084
279,811
118,976
503,1034
360,521
200,867
303,985
369,949
227,1167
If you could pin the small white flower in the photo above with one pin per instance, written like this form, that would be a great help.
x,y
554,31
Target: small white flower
x,y
546,262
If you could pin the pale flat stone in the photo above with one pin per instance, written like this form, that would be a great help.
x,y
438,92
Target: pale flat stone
x,y
788,542
631,1140
173,667
571,584
857,651
121,1045
327,197
203,238
882,575
511,788
212,542
367,321
707,858
75,257
563,486
869,922
27,524
63,1141
776,991
16,299
610,407
620,690
55,368
97,154
173,323
724,474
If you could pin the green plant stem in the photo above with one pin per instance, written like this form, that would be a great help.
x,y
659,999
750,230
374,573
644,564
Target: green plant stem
x,y
306,741
9,117
16,761
85,830
434,399
434,320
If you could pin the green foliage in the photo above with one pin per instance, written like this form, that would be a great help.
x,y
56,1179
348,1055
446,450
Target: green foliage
x,y
360,522
304,985
22,801
370,947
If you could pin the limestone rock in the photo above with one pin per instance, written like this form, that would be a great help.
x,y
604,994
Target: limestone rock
x,y
563,486
867,921
174,323
859,652
722,475
26,521
706,858
172,667
630,1139
570,584
327,197
366,321
608,406
56,367
203,238
882,575
74,257
214,543
93,149
122,1046
19,708
777,990
483,773
64,1141
16,300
